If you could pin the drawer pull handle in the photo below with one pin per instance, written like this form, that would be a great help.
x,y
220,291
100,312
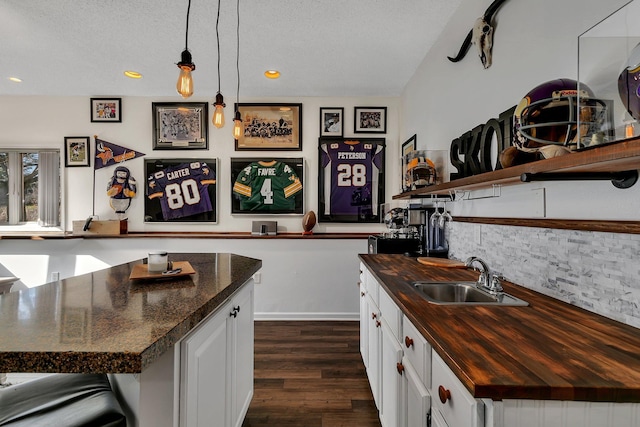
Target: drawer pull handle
x,y
408,342
374,316
400,368
444,394
377,323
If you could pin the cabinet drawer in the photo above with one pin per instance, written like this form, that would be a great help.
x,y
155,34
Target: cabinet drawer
x,y
460,409
371,284
391,314
417,351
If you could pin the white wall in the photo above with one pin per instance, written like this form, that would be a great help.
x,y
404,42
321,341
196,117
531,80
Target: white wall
x,y
33,121
534,42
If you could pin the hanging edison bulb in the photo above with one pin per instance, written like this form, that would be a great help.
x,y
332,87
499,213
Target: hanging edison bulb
x,y
238,126
184,86
218,113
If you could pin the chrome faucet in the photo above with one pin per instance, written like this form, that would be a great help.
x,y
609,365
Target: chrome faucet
x,y
487,280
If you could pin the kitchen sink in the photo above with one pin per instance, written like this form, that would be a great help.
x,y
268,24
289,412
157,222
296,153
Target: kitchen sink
x,y
464,293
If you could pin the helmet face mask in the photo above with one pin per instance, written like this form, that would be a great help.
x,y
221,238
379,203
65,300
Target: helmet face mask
x,y
549,113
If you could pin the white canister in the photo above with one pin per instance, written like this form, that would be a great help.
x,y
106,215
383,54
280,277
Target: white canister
x,y
158,261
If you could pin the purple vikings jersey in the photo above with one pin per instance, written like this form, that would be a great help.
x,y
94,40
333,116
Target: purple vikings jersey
x,y
351,178
182,189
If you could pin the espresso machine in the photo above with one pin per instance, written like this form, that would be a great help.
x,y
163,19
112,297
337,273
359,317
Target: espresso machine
x,y
410,231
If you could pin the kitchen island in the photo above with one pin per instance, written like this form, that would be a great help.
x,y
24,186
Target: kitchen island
x,y
517,365
139,331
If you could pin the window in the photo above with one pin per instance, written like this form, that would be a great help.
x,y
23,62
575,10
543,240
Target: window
x,y
30,187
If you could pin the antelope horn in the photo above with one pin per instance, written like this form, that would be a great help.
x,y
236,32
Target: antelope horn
x,y
463,49
492,9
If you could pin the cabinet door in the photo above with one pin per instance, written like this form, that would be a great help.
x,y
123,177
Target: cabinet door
x,y
418,402
205,379
242,354
373,370
437,420
364,325
391,378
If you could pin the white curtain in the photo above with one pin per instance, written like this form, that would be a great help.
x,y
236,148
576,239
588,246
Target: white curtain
x,y
49,188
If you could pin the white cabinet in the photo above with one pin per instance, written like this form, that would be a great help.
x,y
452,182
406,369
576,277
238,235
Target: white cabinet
x,y
391,378
216,363
451,399
416,399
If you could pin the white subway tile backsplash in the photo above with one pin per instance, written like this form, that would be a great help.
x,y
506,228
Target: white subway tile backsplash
x,y
597,271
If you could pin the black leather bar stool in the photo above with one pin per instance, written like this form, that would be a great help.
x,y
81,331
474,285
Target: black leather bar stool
x,y
69,400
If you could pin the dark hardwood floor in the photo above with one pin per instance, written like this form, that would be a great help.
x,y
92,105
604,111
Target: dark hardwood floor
x,y
310,374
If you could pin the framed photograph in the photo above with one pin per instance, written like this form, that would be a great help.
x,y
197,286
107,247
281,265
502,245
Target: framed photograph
x,y
180,125
270,127
331,122
77,151
266,185
108,110
350,179
407,147
181,190
370,120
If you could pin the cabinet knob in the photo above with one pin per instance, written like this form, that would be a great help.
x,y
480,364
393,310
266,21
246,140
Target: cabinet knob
x,y
444,394
400,368
374,316
408,342
378,323
237,308
362,294
233,313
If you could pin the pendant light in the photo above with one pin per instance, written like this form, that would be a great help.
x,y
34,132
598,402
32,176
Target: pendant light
x,y
218,113
184,86
238,127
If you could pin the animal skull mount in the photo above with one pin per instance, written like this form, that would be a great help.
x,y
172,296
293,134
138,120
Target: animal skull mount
x,y
481,35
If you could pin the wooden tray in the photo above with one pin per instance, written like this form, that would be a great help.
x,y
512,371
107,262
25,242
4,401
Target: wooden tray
x,y
441,262
140,271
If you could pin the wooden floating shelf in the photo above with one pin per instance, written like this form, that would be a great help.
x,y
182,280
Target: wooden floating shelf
x,y
617,156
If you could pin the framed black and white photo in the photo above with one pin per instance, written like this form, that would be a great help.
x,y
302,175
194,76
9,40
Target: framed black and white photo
x,y
407,147
370,120
266,185
269,126
181,190
331,122
77,151
108,110
180,125
350,179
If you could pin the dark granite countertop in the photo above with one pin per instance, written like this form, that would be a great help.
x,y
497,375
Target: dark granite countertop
x,y
549,350
104,322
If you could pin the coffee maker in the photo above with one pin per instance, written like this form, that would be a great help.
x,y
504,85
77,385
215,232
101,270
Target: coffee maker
x,y
410,232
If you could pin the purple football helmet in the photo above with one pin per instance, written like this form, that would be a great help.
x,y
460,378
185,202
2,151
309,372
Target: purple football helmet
x,y
629,84
549,115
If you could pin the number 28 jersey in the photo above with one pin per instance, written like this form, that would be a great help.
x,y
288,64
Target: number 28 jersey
x,y
182,189
352,171
267,186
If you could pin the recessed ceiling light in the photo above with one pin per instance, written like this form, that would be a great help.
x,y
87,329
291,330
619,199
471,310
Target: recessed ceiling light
x,y
133,74
272,74
15,79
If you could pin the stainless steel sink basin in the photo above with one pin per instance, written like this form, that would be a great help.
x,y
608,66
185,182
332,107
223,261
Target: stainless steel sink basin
x,y
464,293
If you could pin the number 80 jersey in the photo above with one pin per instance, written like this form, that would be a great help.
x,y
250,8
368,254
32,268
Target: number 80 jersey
x,y
352,172
182,189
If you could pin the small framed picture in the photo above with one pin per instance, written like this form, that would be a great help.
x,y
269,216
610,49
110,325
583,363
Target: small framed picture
x,y
270,127
331,122
409,145
77,151
180,125
108,110
370,120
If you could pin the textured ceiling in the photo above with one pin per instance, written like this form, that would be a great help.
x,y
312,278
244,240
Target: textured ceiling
x,y
321,47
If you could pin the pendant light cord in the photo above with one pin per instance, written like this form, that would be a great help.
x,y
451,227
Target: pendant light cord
x,y
218,40
238,50
186,36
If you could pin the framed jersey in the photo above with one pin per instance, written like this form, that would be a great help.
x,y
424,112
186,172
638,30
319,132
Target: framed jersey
x,y
263,185
350,179
180,190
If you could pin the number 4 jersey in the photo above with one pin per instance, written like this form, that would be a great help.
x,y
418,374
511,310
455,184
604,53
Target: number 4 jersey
x,y
182,189
352,170
267,187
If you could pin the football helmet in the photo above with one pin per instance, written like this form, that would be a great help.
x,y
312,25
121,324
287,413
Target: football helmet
x,y
629,84
546,119
421,171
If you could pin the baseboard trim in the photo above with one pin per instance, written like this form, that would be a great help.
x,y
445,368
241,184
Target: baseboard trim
x,y
307,316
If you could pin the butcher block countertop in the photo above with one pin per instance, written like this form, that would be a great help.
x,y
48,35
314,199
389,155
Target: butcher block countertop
x,y
549,350
105,322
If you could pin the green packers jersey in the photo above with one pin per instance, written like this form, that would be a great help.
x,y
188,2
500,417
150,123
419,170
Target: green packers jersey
x,y
267,186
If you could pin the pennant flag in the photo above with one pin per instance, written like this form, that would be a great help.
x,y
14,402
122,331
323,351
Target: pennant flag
x,y
108,154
